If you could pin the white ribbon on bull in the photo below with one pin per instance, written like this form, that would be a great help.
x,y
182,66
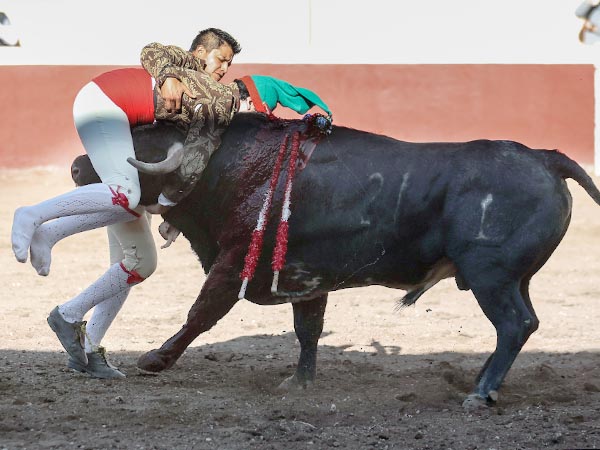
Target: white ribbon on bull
x,y
256,241
282,232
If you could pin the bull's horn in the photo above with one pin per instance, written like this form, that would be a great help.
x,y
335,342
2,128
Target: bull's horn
x,y
169,164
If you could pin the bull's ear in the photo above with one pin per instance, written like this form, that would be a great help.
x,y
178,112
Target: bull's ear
x,y
82,171
169,164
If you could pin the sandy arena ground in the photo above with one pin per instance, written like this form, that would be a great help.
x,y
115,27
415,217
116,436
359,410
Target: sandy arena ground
x,y
386,378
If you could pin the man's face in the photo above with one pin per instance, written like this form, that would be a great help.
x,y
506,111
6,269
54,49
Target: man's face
x,y
217,60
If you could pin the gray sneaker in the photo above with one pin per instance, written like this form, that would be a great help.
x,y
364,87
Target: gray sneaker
x,y
97,366
70,335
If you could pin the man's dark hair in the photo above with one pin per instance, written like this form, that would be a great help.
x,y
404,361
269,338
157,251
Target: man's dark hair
x,y
244,94
212,38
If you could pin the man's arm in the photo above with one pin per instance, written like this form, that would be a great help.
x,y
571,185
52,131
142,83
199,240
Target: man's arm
x,y
163,62
160,60
202,140
208,114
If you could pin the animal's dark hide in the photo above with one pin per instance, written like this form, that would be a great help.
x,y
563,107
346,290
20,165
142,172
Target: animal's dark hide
x,y
368,209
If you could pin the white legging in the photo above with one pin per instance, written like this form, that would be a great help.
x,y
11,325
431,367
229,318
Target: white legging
x,y
106,312
105,133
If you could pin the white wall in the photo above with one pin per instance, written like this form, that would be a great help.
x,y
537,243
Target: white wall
x,y
303,31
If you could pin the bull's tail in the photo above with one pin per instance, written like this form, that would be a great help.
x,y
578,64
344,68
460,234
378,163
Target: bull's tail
x,y
565,167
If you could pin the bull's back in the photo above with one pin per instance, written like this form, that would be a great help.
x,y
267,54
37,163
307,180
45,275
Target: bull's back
x,y
380,209
372,203
382,204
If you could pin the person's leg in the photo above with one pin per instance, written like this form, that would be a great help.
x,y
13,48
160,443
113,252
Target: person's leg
x,y
87,202
105,133
67,320
97,363
51,232
108,294
121,239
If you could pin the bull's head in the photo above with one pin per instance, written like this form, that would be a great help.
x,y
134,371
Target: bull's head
x,y
151,143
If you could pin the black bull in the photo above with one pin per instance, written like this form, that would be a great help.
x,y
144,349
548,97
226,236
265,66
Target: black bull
x,y
368,209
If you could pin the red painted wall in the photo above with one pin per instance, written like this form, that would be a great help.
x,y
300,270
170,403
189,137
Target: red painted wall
x,y
543,106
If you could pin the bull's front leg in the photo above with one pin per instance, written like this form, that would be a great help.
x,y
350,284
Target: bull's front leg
x,y
308,323
217,297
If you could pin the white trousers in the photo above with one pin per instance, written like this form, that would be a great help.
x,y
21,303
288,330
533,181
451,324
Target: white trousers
x,y
105,133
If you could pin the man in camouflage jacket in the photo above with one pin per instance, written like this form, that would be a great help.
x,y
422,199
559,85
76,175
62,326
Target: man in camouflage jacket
x,y
207,108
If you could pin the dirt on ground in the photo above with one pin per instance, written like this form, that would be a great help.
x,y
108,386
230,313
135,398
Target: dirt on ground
x,y
386,379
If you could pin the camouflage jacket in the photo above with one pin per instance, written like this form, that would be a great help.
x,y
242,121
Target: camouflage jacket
x,y
204,118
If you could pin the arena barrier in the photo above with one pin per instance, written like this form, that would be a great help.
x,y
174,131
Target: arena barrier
x,y
543,106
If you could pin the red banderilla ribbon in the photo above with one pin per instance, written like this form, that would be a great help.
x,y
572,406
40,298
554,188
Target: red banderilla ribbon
x,y
282,231
255,247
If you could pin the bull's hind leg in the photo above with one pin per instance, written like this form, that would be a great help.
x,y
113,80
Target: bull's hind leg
x,y
217,297
524,289
308,323
506,304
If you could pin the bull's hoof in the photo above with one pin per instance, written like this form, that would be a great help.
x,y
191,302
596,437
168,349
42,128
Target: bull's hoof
x,y
294,384
477,402
474,402
155,361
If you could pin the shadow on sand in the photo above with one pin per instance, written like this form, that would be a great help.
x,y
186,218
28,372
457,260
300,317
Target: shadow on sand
x,y
227,393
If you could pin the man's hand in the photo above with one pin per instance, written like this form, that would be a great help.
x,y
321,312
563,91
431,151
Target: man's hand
x,y
171,91
168,232
157,208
